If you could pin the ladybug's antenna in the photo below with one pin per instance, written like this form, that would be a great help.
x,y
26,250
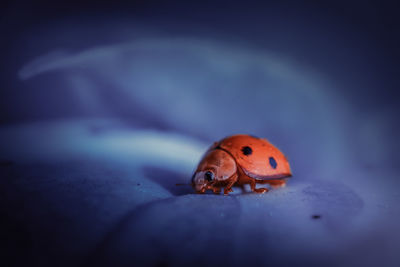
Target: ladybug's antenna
x,y
182,184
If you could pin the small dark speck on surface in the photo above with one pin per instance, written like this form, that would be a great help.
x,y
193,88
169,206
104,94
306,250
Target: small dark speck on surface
x,y
316,216
138,184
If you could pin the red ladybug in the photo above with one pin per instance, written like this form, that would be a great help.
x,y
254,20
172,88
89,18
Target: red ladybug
x,y
238,160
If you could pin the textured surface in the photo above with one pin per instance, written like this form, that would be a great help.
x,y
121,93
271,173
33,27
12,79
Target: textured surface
x,y
102,114
115,210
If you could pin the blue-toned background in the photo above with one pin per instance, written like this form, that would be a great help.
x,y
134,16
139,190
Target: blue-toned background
x,y
105,107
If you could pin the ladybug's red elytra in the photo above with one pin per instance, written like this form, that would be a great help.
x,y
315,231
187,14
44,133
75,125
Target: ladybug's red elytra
x,y
238,160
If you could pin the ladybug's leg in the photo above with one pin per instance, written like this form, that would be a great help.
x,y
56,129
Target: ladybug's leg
x,y
202,191
216,190
257,190
277,183
232,181
228,188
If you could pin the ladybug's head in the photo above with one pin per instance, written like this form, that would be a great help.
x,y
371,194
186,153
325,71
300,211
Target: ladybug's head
x,y
216,167
201,180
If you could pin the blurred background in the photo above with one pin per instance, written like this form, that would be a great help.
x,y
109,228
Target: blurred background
x,y
104,107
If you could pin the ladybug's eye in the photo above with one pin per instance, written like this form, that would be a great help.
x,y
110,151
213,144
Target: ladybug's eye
x,y
209,176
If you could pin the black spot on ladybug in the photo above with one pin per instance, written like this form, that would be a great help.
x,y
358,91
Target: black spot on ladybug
x,y
316,217
247,150
272,162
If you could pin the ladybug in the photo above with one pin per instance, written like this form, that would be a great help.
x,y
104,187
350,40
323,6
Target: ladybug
x,y
238,160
